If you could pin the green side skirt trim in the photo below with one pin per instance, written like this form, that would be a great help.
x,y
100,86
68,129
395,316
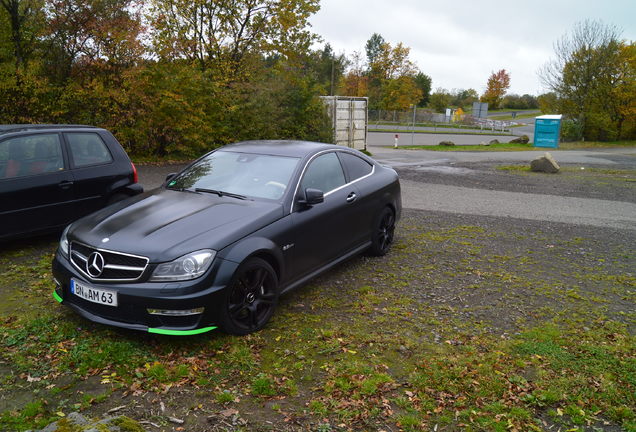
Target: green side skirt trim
x,y
57,297
180,332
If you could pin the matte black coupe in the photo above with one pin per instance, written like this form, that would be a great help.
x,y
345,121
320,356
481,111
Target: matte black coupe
x,y
218,243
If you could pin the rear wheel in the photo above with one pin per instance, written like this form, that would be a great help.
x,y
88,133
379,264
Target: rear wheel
x,y
382,236
250,298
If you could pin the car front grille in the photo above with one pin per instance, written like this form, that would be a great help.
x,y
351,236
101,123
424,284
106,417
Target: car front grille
x,y
115,266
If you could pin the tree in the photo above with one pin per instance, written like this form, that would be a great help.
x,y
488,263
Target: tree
x,y
440,100
223,34
90,32
497,86
464,97
424,83
325,68
23,17
391,77
374,47
592,76
355,82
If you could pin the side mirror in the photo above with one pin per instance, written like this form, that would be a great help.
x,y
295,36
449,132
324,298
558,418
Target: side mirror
x,y
312,197
170,176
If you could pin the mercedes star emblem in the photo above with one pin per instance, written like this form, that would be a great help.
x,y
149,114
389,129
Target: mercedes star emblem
x,y
95,264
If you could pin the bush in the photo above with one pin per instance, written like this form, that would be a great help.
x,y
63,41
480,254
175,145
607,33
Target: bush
x,y
570,130
447,143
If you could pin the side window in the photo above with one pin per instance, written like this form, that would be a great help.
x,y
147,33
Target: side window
x,y
88,149
356,166
324,173
30,155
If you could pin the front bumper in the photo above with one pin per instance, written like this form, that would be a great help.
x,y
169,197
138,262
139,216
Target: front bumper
x,y
134,300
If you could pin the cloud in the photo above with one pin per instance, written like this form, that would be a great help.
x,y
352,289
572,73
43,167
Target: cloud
x,y
459,43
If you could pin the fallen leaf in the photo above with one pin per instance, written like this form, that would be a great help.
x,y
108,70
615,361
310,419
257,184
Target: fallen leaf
x,y
229,412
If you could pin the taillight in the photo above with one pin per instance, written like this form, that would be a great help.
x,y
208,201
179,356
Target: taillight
x,y
135,176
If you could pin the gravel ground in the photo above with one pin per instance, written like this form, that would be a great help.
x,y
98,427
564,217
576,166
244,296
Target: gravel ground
x,y
452,280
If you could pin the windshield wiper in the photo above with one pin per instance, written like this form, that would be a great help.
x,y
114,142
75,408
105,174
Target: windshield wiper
x,y
179,189
221,193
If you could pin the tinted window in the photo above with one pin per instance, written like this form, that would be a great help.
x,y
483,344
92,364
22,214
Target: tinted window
x,y
88,149
324,173
254,175
356,166
30,155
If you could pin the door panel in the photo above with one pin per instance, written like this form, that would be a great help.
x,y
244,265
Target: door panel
x,y
94,170
38,192
323,232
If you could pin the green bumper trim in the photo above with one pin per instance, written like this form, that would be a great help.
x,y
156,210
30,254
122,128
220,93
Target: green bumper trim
x,y
180,332
57,297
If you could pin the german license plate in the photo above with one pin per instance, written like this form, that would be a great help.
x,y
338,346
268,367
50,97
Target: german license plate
x,y
92,294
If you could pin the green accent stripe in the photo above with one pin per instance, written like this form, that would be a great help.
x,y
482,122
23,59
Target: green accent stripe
x,y
180,332
57,297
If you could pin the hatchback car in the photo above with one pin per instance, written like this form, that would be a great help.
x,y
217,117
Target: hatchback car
x,y
51,175
220,241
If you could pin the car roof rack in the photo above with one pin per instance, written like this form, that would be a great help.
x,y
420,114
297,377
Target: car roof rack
x,y
23,127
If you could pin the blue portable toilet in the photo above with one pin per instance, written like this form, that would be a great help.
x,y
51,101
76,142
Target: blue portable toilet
x,y
546,130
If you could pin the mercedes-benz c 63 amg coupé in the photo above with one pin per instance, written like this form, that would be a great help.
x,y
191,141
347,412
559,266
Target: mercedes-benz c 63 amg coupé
x,y
217,243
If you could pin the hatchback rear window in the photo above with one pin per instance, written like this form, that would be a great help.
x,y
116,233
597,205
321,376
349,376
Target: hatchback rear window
x,y
88,149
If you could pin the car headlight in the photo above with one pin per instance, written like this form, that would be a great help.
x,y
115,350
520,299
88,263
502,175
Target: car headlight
x,y
187,267
64,242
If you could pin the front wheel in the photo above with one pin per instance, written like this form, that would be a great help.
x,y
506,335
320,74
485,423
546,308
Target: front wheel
x,y
382,236
250,298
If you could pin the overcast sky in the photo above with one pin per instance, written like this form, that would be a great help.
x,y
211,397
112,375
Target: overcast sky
x,y
459,43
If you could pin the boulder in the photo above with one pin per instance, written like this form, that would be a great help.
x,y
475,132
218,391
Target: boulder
x,y
523,139
495,141
545,163
447,143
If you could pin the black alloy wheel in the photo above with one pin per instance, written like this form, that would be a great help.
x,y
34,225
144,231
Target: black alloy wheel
x,y
383,233
251,298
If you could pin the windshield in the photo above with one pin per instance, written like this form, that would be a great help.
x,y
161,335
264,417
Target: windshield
x,y
251,175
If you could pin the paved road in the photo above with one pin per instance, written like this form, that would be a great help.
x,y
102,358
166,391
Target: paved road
x,y
464,200
625,157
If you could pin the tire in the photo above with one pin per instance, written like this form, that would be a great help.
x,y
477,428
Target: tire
x,y
383,232
250,298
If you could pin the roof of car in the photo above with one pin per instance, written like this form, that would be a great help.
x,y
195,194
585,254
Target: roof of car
x,y
281,147
8,128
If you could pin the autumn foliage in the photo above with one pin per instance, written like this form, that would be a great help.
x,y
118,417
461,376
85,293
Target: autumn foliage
x,y
496,88
168,77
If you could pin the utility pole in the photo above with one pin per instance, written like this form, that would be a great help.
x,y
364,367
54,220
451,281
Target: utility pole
x,y
333,73
413,130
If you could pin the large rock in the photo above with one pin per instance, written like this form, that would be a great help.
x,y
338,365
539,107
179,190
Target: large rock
x,y
545,163
523,139
447,143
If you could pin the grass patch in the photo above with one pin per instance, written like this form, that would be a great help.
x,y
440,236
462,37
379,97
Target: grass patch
x,y
461,326
582,145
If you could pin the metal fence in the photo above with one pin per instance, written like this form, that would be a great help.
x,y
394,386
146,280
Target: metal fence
x,y
422,117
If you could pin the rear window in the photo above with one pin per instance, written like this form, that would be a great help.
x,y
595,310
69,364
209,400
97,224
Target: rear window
x,y
30,155
355,166
88,149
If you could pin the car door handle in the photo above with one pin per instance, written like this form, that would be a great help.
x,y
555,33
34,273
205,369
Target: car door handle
x,y
352,197
65,184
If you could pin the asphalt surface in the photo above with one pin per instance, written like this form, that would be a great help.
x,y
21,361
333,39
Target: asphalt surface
x,y
378,139
463,194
